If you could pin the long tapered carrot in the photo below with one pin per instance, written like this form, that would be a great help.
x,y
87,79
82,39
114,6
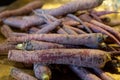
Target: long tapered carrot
x,y
20,75
72,7
23,23
78,57
23,10
90,40
101,30
42,72
61,31
83,74
102,74
69,30
87,18
6,31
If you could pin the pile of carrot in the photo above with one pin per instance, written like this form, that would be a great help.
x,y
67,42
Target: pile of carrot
x,y
62,36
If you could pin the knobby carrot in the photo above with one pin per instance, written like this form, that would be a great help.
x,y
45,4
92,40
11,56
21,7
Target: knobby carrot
x,y
23,10
83,73
72,7
42,72
23,24
101,30
78,57
69,30
20,75
90,40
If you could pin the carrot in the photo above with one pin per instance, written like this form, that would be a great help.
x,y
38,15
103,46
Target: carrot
x,y
6,31
18,34
33,30
5,47
23,10
72,7
23,24
86,18
79,31
79,20
101,30
102,74
90,40
97,18
61,31
20,75
114,23
102,13
83,73
39,45
78,57
49,28
42,72
69,30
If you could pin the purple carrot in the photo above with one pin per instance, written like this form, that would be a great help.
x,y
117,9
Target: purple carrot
x,y
79,31
39,45
101,30
102,74
72,7
23,24
78,57
79,20
20,75
83,74
49,27
23,10
90,40
33,30
111,30
69,30
6,31
42,72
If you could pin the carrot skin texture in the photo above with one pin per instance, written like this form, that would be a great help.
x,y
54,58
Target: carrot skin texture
x,y
61,31
39,45
20,75
23,10
89,40
83,73
79,57
72,7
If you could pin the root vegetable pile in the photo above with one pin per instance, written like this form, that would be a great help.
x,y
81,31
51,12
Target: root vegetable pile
x,y
60,36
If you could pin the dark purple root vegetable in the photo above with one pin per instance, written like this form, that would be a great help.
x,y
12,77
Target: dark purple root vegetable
x,y
6,31
72,7
23,10
102,74
42,72
23,24
19,75
83,73
90,40
78,57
